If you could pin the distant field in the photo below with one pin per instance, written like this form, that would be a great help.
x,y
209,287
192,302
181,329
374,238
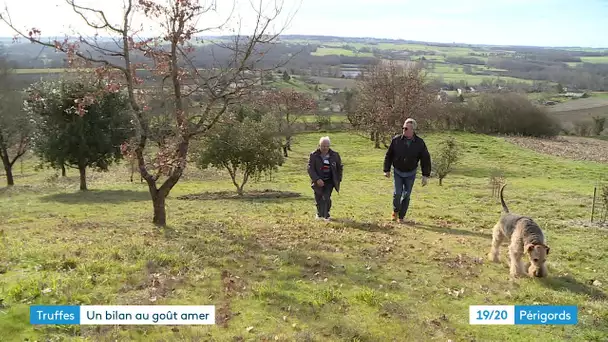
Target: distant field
x,y
451,51
447,68
583,114
434,58
473,79
580,104
340,52
336,82
335,118
600,94
294,84
41,71
603,59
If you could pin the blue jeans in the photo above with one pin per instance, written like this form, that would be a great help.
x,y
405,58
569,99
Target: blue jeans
x,y
404,182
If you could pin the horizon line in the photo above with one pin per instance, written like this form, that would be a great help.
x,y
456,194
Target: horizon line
x,y
406,41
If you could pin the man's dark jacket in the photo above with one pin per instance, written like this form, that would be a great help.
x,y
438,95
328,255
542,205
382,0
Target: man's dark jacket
x,y
315,163
405,158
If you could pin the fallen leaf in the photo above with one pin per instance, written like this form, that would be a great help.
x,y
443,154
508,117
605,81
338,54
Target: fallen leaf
x,y
249,329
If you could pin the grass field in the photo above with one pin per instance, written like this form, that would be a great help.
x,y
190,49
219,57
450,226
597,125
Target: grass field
x,y
603,59
340,52
275,274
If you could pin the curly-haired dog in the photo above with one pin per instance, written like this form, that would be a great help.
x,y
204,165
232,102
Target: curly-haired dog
x,y
525,236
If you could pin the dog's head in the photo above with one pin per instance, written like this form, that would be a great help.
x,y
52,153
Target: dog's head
x,y
538,256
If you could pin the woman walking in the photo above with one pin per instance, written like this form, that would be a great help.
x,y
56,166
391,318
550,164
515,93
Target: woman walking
x,y
325,171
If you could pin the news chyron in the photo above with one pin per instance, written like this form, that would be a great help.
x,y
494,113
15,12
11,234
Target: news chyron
x,y
523,314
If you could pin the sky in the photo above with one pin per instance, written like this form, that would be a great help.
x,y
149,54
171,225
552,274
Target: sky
x,y
496,22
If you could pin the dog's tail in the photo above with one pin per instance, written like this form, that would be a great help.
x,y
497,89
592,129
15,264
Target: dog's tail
x,y
502,200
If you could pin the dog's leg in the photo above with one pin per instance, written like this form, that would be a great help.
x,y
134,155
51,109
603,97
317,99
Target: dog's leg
x,y
497,239
515,258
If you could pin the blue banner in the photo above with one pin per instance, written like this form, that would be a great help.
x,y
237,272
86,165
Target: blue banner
x,y
546,314
123,314
55,314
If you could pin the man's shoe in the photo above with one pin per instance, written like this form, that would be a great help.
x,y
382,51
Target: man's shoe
x,y
394,216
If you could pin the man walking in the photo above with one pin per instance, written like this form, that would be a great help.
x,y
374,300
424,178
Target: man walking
x,y
404,153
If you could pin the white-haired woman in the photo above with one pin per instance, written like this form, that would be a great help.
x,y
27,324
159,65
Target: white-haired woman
x,y
325,170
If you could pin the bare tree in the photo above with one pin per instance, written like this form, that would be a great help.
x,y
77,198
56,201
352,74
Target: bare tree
x,y
169,58
389,94
287,107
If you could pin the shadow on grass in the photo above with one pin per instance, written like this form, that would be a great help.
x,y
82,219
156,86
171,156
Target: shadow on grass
x,y
98,196
452,231
569,284
266,195
366,226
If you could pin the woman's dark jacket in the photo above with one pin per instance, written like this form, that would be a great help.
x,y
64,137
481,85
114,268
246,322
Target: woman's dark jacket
x,y
315,163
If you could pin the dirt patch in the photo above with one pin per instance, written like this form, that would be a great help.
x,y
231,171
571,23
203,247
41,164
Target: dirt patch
x,y
461,265
232,285
588,224
575,148
254,194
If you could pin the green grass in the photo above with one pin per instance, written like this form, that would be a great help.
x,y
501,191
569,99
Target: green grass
x,y
337,118
603,59
340,51
360,278
600,94
295,84
41,71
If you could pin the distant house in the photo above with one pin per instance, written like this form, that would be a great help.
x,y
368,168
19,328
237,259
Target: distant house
x,y
332,91
574,95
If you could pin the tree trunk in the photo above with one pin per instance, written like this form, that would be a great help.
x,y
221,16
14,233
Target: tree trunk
x,y
9,176
63,170
372,136
160,195
83,177
377,140
440,181
285,151
160,214
8,168
288,143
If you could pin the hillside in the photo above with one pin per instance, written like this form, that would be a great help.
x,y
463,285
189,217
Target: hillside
x,y
451,64
293,278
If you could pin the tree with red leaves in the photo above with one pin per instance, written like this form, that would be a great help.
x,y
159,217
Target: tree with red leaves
x,y
287,107
388,95
169,58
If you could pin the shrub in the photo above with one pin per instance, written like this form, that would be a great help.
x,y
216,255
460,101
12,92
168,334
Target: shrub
x,y
500,114
242,146
598,125
582,128
446,157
